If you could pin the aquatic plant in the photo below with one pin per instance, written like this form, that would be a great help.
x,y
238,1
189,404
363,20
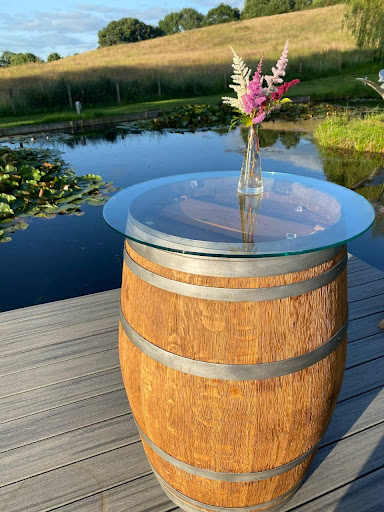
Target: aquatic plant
x,y
185,118
38,183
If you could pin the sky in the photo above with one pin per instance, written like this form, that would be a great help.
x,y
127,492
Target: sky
x,y
71,26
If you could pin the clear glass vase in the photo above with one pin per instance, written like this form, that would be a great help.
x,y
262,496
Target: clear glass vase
x,y
249,206
250,182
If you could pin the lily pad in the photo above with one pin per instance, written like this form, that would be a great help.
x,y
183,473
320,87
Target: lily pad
x,y
7,198
37,183
5,210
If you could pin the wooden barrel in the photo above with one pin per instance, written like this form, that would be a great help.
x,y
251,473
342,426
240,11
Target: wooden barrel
x,y
232,367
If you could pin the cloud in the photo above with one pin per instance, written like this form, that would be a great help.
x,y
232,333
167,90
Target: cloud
x,y
56,22
76,30
148,15
87,19
42,45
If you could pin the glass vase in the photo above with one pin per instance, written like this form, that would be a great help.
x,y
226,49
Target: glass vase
x,y
249,206
250,182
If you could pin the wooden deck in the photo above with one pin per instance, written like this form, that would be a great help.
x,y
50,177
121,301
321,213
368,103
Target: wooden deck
x,y
68,441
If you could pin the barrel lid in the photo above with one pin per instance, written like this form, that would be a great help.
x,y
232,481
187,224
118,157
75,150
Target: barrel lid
x,y
202,214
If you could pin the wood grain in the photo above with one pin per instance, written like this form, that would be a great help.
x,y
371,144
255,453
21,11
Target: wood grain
x,y
234,332
226,494
232,426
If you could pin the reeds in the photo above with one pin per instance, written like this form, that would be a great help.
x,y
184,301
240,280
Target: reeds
x,y
346,133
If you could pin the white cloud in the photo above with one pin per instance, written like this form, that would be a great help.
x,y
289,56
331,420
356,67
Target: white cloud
x,y
55,21
42,45
148,15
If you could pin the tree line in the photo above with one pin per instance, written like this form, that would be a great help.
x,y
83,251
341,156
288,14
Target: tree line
x,y
132,30
365,19
8,58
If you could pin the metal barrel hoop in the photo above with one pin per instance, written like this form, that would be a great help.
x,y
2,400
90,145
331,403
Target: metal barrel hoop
x,y
227,477
234,267
233,372
191,505
236,294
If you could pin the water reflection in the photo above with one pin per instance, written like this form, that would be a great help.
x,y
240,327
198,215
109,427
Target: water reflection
x,y
89,253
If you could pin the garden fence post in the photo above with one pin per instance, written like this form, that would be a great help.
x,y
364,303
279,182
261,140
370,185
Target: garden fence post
x,y
69,95
158,86
12,100
118,92
301,68
194,85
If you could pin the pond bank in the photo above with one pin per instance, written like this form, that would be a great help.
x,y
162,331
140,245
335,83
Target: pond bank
x,y
77,125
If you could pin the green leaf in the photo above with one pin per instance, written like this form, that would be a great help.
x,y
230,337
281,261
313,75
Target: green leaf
x,y
246,120
90,177
50,208
6,223
45,215
5,210
66,207
7,198
21,226
10,169
285,100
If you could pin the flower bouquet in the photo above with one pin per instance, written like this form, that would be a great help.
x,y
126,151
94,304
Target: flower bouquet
x,y
253,103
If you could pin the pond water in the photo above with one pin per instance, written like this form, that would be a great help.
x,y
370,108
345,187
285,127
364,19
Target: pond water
x,y
70,256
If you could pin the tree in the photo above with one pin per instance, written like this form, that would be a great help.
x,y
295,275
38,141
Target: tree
x,y
190,18
302,4
325,3
221,14
127,30
53,56
365,18
257,8
186,19
171,23
8,58
5,58
18,59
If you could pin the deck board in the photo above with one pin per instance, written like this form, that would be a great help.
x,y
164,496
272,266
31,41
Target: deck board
x,y
68,440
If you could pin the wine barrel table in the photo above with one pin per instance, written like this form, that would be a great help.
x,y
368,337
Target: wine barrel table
x,y
233,330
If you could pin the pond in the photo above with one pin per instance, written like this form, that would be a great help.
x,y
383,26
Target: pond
x,y
70,255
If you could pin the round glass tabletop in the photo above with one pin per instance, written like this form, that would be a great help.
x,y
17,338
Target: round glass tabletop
x,y
203,214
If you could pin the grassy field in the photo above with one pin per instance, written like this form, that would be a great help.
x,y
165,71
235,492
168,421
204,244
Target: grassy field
x,y
343,133
193,63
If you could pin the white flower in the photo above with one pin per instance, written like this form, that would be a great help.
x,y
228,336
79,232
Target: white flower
x,y
240,82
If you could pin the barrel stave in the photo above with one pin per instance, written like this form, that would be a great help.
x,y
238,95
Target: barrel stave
x,y
229,428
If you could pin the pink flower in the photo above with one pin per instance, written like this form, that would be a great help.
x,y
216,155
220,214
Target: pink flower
x,y
254,98
278,71
283,89
259,118
252,103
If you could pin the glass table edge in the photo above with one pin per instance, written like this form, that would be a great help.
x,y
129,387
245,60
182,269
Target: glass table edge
x,y
240,254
